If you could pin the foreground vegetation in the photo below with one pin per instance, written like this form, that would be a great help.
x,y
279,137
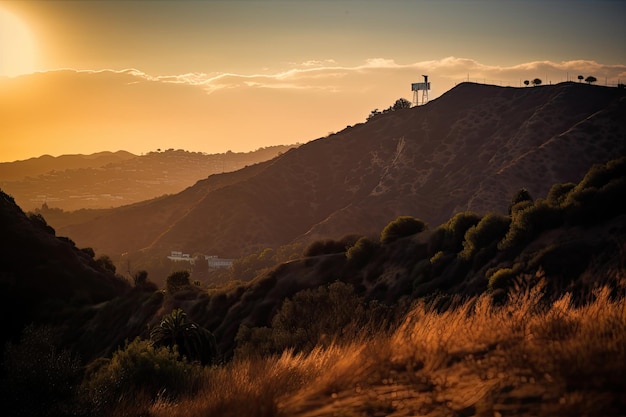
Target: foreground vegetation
x,y
521,313
526,357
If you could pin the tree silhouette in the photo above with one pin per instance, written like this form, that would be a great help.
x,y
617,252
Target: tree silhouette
x,y
537,81
526,82
140,278
401,103
580,78
176,281
192,340
591,79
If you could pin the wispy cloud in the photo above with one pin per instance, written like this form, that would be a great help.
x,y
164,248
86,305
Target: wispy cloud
x,y
329,76
134,110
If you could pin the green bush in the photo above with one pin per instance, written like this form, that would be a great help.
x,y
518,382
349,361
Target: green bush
x,y
362,251
521,206
401,227
449,236
311,318
528,223
601,174
501,279
558,193
590,205
490,229
177,281
139,368
329,246
521,196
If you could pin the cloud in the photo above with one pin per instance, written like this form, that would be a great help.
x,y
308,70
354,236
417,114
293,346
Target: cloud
x,y
69,111
327,75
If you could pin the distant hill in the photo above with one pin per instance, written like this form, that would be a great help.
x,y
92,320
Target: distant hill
x,y
34,167
471,149
104,180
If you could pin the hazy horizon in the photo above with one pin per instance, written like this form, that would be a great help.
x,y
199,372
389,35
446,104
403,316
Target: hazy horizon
x,y
86,77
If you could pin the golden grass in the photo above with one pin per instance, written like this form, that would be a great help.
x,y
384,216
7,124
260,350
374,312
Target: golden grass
x,y
524,358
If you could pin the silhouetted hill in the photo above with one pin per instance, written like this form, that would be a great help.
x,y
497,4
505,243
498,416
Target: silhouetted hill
x,y
470,149
111,180
42,274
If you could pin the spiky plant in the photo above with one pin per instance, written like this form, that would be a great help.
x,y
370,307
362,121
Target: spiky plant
x,y
192,340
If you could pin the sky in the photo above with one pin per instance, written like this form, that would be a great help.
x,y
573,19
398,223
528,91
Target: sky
x,y
211,76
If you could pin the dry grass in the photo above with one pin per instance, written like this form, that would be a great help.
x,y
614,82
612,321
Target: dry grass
x,y
524,358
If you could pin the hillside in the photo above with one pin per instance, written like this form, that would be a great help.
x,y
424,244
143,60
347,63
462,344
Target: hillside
x,y
41,274
471,149
104,180
519,313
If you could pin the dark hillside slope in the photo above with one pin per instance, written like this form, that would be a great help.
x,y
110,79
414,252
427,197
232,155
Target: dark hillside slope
x,y
134,227
572,240
472,148
40,273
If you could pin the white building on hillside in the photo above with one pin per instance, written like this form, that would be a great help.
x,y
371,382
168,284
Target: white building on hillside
x,y
178,256
217,263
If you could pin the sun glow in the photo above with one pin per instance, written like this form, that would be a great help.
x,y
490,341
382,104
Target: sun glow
x,y
17,48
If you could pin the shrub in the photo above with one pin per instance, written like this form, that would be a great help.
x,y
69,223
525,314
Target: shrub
x,y
449,236
362,251
590,205
310,318
323,247
558,193
491,228
177,281
140,278
139,367
422,272
329,246
401,227
601,174
522,205
529,222
520,196
501,279
89,251
106,263
40,377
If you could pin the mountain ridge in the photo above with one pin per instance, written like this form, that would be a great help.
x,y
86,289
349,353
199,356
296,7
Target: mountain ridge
x,y
107,180
429,161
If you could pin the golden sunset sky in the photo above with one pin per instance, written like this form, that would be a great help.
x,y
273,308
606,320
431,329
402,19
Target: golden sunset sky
x,y
212,76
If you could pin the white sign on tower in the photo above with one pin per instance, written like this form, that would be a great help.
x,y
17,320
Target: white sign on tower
x,y
423,87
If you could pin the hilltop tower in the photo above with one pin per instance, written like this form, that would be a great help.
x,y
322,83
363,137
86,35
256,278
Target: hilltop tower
x,y
423,87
